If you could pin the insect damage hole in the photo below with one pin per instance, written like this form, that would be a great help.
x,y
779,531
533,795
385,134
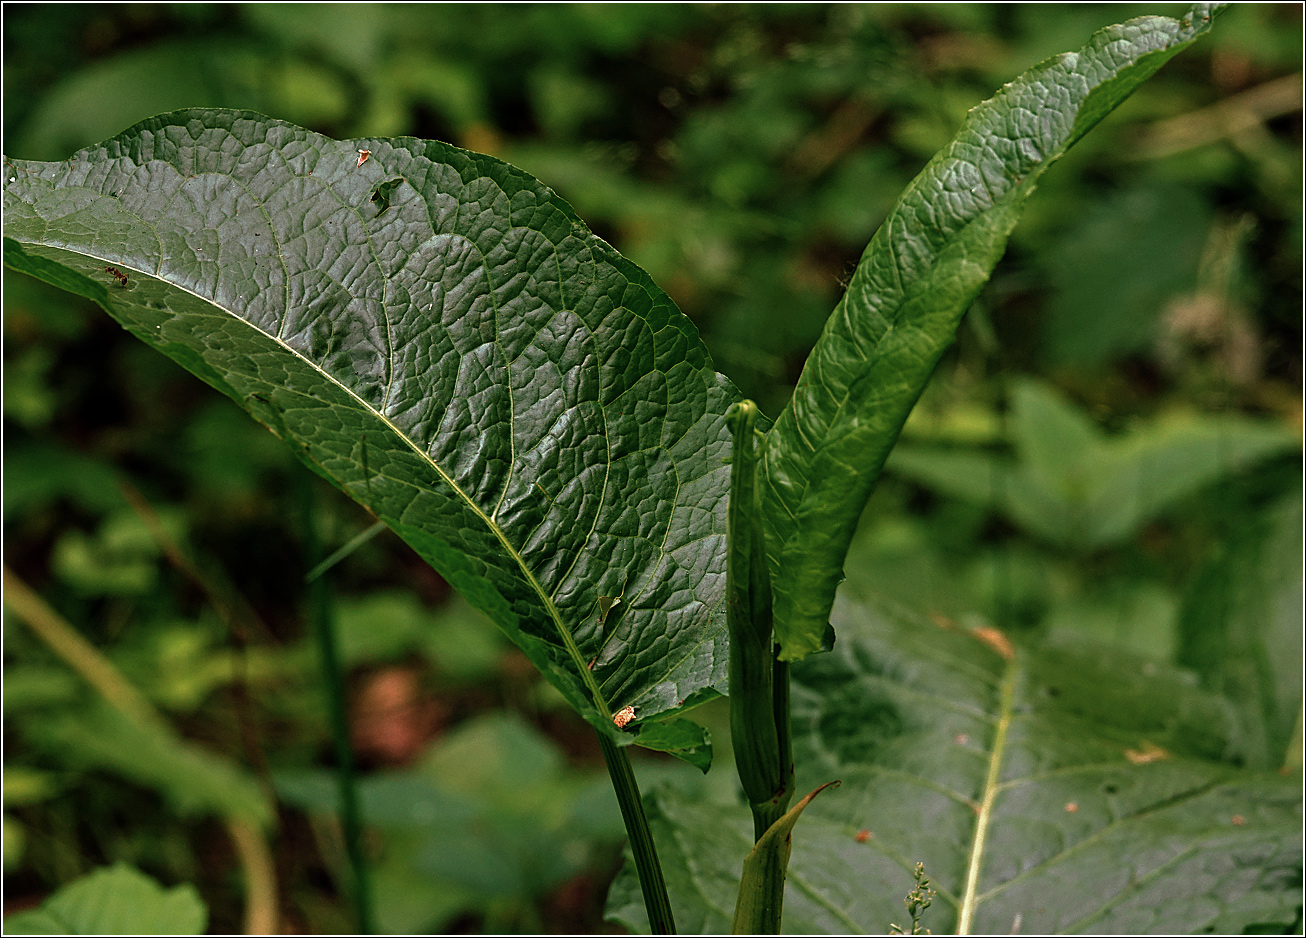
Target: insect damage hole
x,y
382,194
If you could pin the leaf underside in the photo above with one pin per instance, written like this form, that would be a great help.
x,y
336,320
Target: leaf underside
x,y
437,334
920,273
1070,794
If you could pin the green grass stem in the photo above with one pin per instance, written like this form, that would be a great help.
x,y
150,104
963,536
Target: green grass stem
x,y
333,682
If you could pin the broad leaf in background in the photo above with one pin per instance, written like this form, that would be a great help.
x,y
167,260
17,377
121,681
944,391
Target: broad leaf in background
x,y
491,812
1077,488
1068,792
115,900
437,334
916,279
1241,627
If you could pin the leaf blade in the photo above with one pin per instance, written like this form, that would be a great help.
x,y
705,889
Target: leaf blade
x,y
1114,803
916,279
518,401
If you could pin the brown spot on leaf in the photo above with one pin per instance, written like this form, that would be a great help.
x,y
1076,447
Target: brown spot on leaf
x,y
1071,807
996,640
1238,820
1146,753
862,836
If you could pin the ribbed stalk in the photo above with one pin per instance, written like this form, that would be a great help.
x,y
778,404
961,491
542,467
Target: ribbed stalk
x,y
759,690
759,684
762,886
641,839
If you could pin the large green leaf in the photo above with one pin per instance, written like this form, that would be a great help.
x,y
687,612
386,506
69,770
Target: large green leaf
x,y
115,900
1063,792
437,334
919,274
1074,486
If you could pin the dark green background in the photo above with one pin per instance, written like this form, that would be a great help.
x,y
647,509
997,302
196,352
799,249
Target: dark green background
x,y
743,155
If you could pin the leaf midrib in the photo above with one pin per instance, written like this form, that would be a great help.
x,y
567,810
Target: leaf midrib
x,y
1006,709
546,600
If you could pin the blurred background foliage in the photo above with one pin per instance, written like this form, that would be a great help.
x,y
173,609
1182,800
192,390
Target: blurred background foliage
x,y
1111,453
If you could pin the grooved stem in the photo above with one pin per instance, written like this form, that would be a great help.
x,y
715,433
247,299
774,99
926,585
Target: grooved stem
x,y
641,839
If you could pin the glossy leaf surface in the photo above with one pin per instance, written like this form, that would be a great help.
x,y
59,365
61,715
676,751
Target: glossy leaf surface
x,y
437,334
916,279
1063,793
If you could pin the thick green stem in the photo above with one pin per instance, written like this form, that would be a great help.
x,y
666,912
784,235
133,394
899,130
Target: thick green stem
x,y
759,685
641,839
759,691
334,684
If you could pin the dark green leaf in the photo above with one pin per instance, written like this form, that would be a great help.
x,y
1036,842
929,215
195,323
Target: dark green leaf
x,y
115,900
514,398
683,738
921,271
1067,792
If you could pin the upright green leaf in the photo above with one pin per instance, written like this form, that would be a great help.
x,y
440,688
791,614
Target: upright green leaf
x,y
115,900
437,334
919,274
1065,792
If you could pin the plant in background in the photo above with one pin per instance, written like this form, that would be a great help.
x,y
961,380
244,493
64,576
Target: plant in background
x,y
438,335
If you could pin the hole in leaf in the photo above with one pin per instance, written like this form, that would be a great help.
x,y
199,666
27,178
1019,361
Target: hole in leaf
x,y
382,194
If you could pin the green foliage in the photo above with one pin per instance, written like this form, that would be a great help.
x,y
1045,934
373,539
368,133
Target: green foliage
x,y
919,275
1076,488
194,781
743,155
1062,791
562,414
487,818
117,900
